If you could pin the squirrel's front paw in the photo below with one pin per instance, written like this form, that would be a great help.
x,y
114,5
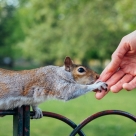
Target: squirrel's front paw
x,y
101,86
38,113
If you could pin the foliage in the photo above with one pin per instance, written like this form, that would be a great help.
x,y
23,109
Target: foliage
x,y
47,31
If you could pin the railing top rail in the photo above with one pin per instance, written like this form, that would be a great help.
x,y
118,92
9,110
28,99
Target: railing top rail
x,y
21,119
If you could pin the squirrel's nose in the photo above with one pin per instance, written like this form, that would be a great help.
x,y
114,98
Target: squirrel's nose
x,y
97,76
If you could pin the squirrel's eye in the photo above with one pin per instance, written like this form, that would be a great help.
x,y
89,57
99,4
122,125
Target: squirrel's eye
x,y
81,70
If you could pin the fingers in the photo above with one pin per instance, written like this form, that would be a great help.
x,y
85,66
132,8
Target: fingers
x,y
112,74
119,85
127,82
117,58
112,68
131,85
108,71
99,95
113,80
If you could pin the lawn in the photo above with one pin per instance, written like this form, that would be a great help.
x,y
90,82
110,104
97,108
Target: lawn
x,y
79,109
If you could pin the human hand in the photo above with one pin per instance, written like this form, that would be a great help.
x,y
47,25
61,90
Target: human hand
x,y
121,71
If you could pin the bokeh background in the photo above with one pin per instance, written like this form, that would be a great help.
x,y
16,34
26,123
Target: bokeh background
x,y
39,32
36,33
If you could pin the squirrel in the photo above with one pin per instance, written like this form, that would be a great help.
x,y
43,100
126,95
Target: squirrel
x,y
32,87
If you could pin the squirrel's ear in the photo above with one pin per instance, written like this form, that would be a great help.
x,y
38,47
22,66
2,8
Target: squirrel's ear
x,y
68,64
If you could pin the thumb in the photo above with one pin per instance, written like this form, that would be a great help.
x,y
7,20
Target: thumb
x,y
116,59
112,67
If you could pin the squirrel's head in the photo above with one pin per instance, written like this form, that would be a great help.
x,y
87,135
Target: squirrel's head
x,y
81,74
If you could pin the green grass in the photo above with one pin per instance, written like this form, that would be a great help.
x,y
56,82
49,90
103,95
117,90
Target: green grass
x,y
79,109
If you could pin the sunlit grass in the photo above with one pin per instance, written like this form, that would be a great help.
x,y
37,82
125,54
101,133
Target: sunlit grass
x,y
79,109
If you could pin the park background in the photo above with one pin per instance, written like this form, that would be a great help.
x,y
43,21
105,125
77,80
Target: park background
x,y
36,33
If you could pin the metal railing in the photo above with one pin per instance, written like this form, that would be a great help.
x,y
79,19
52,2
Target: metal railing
x,y
22,115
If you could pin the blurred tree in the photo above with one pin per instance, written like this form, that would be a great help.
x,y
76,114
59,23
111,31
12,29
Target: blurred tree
x,y
10,31
47,31
5,24
82,29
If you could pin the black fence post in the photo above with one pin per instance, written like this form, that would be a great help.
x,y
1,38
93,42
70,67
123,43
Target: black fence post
x,y
18,122
21,121
26,120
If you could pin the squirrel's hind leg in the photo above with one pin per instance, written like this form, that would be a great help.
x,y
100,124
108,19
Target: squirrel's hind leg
x,y
38,112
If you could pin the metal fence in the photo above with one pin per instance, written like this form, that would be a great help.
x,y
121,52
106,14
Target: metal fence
x,y
22,115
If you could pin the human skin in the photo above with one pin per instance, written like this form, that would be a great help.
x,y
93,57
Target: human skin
x,y
121,71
